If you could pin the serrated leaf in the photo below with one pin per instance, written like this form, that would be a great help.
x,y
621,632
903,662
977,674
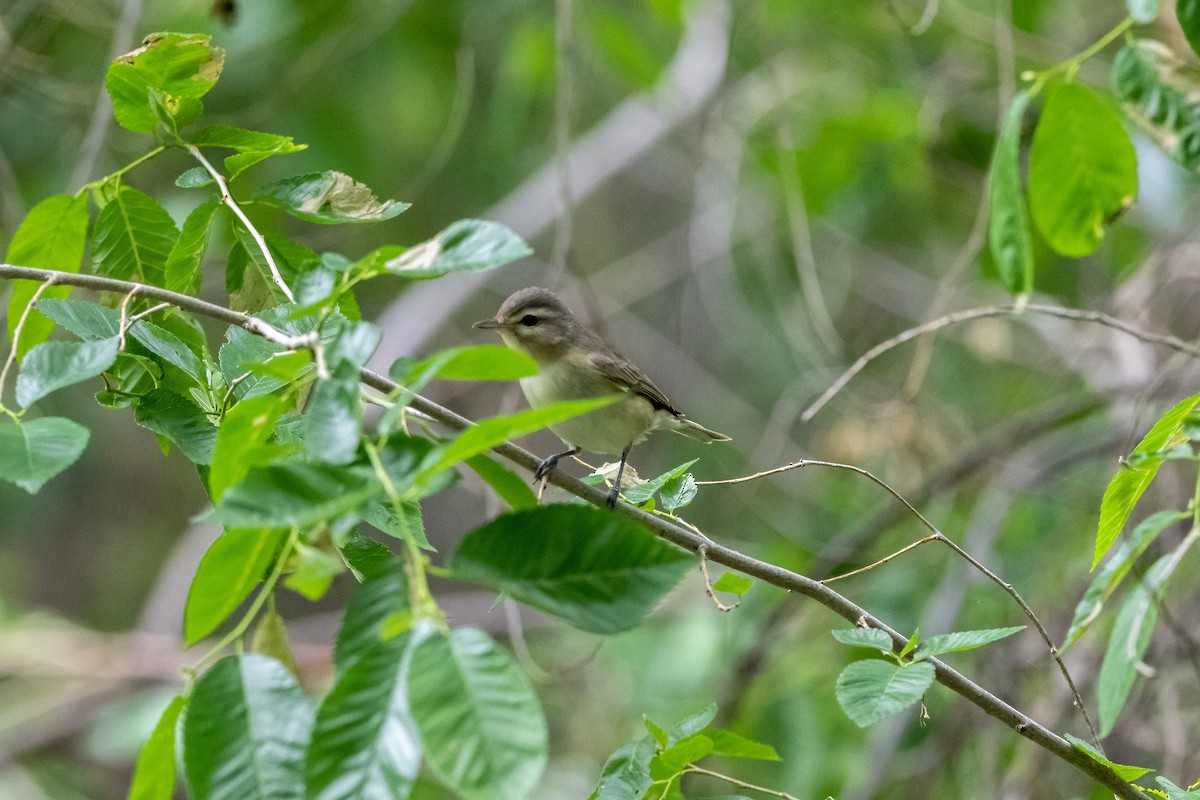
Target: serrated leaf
x,y
233,565
333,417
644,491
53,365
1115,569
328,197
1128,485
282,495
88,321
244,430
52,236
511,488
33,452
1173,792
171,349
692,724
489,362
313,571
1082,169
659,734
403,523
469,245
962,640
864,637
133,237
194,178
484,733
179,419
672,760
382,594
182,272
599,571
181,66
678,492
1129,638
154,775
1126,772
1009,238
245,732
252,146
873,690
728,743
626,774
732,583
488,433
365,743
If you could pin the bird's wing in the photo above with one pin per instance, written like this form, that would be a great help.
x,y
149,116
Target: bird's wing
x,y
627,376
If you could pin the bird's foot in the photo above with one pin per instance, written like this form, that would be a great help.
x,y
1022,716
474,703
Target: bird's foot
x,y
545,467
613,495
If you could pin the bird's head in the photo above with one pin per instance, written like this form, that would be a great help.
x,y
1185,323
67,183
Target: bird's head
x,y
536,321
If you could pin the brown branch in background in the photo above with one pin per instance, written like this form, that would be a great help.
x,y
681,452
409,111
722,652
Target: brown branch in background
x,y
957,317
949,677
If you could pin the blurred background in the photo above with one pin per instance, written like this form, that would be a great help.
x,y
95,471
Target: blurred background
x,y
743,197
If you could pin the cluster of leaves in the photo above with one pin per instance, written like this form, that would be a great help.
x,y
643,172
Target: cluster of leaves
x,y
273,421
1082,165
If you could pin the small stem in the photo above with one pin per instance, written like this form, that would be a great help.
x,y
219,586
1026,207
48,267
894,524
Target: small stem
x,y
121,326
708,587
153,309
16,338
228,200
882,561
743,784
101,181
263,594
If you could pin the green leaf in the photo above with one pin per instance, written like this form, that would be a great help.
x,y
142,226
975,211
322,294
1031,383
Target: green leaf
x,y
732,583
1188,14
403,523
693,724
678,492
179,419
182,66
672,760
1115,569
1157,89
244,430
52,365
382,594
872,690
490,432
282,495
600,571
1127,486
328,197
1126,772
728,743
194,178
365,743
1143,11
271,639
483,730
243,351
1082,169
233,565
469,245
626,774
1129,638
171,349
182,272
251,146
511,488
864,637
133,237
1174,792
154,775
245,732
489,362
88,321
1008,226
655,730
333,418
644,491
33,452
961,640
52,236
314,571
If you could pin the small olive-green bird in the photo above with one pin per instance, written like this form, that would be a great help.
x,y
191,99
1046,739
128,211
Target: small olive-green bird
x,y
576,364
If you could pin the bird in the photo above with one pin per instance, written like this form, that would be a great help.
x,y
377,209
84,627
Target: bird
x,y
576,364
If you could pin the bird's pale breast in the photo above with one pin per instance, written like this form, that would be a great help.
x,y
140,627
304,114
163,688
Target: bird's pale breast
x,y
607,430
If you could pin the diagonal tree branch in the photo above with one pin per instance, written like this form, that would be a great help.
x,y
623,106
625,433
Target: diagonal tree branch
x,y
676,534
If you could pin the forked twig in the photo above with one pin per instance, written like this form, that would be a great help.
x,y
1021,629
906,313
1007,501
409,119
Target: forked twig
x,y
702,550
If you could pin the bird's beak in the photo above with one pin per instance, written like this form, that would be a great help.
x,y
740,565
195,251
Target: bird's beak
x,y
488,324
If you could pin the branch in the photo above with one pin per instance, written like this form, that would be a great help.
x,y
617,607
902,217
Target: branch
x,y
1096,317
676,534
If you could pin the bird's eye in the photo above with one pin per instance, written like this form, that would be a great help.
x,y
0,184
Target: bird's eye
x,y
529,320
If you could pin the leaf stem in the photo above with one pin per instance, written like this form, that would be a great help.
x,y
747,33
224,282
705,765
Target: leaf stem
x,y
136,162
16,341
1071,65
743,784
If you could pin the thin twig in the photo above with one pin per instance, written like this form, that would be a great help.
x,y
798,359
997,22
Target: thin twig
x,y
939,536
227,199
708,587
1019,722
121,326
882,561
743,784
956,317
16,334
142,315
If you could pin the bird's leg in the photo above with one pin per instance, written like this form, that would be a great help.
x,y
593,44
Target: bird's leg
x,y
547,464
615,491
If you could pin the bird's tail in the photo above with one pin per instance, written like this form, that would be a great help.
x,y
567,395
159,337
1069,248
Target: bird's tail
x,y
694,430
